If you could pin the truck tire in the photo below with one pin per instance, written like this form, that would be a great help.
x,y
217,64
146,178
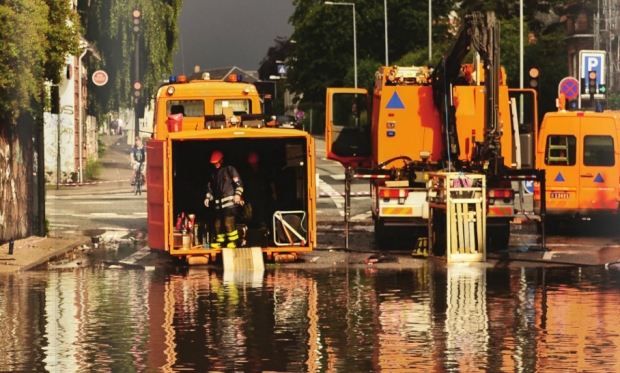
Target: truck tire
x,y
498,237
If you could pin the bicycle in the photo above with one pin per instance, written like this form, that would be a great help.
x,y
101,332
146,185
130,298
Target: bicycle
x,y
139,179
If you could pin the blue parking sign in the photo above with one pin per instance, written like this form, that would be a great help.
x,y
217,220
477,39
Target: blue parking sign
x,y
593,61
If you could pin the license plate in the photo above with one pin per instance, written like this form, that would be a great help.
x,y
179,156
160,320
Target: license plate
x,y
559,195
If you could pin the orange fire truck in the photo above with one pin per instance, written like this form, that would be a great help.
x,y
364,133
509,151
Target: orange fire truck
x,y
194,118
453,117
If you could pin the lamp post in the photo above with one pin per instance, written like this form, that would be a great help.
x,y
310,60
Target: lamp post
x,y
386,32
430,31
354,38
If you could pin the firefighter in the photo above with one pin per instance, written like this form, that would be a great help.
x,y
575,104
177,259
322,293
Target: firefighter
x,y
225,190
261,191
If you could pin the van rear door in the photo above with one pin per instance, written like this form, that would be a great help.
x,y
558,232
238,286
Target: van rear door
x,y
598,174
156,193
347,126
560,134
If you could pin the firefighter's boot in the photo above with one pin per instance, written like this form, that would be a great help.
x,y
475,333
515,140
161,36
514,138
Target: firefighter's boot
x,y
219,241
232,239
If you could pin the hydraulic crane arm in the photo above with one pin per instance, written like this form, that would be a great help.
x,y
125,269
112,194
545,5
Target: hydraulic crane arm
x,y
481,32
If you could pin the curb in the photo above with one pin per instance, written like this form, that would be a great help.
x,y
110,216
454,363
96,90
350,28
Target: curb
x,y
54,255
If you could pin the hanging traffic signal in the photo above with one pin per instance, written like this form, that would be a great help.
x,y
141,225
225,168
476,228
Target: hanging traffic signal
x,y
137,15
592,82
534,77
137,89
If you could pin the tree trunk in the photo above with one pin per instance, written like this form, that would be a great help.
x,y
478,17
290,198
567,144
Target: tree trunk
x,y
16,176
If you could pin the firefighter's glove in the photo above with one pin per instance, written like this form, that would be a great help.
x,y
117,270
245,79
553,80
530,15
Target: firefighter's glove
x,y
237,199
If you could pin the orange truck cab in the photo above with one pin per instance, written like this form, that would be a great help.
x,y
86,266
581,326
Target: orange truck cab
x,y
580,152
194,118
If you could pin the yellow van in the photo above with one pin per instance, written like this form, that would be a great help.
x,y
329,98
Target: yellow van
x,y
580,153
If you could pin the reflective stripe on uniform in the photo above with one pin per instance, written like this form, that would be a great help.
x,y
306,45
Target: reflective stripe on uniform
x,y
233,236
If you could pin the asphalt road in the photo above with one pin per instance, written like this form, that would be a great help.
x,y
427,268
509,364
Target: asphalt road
x,y
111,206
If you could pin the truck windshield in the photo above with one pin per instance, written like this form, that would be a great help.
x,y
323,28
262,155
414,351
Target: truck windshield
x,y
239,106
189,108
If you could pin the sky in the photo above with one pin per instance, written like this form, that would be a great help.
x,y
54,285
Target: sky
x,y
226,33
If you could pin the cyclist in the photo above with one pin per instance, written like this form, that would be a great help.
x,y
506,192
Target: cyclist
x,y
137,158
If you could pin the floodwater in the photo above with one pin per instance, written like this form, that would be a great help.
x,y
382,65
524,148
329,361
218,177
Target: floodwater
x,y
372,319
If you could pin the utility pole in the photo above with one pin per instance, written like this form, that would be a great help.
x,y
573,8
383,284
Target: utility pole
x,y
137,85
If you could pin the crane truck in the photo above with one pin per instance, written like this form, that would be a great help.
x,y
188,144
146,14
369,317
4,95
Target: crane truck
x,y
420,120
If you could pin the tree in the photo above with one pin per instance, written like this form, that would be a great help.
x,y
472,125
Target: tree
x,y
108,25
36,35
323,53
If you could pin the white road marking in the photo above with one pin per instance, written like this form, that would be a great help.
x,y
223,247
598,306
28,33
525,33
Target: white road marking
x,y
337,199
362,216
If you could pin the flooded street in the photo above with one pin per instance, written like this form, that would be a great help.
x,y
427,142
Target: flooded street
x,y
433,318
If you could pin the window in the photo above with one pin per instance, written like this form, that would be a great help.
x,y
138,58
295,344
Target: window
x,y
598,151
189,108
561,150
239,107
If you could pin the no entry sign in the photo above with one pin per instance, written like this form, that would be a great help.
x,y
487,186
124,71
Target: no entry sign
x,y
100,77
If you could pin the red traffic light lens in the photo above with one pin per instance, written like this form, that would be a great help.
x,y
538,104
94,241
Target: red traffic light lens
x,y
592,75
534,73
137,86
136,13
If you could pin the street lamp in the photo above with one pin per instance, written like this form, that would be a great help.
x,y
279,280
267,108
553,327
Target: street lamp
x,y
386,31
354,38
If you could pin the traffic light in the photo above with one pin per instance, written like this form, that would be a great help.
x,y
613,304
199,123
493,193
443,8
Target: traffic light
x,y
137,90
592,82
137,15
534,74
602,89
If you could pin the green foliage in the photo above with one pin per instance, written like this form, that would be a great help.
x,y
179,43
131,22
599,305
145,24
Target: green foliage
x,y
101,148
613,101
323,53
35,226
108,24
36,35
548,53
93,168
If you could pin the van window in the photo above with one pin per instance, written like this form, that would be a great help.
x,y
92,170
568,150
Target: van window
x,y
239,107
561,150
598,151
189,108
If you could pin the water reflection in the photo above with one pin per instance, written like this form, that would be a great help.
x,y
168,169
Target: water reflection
x,y
435,318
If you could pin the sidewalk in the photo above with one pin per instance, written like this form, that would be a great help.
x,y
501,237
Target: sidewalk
x,y
34,251
115,174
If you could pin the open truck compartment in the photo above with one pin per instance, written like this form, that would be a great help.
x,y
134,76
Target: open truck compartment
x,y
278,223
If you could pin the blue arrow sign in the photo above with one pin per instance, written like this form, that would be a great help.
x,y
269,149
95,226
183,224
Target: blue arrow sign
x,y
529,186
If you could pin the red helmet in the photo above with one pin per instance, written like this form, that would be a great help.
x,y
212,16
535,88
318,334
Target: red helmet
x,y
216,156
253,158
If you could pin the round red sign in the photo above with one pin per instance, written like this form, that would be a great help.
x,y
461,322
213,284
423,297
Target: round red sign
x,y
100,77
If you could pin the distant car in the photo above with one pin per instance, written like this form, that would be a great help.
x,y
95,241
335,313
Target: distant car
x,y
287,121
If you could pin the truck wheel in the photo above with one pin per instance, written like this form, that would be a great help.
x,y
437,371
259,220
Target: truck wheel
x,y
380,235
498,237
